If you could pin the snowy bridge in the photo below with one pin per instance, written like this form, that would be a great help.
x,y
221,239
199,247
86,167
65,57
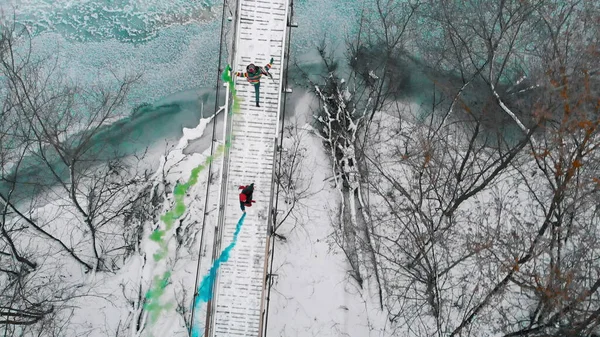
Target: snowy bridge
x,y
238,304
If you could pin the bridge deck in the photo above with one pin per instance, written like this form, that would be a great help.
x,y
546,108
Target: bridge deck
x,y
238,297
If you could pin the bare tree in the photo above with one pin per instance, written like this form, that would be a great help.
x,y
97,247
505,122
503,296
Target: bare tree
x,y
461,214
482,233
58,125
348,107
377,55
340,121
62,193
293,182
183,307
558,270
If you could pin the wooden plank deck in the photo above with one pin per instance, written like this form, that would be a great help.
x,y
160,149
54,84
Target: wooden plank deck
x,y
240,286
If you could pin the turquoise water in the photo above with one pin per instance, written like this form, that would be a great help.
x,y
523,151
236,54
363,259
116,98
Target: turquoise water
x,y
172,43
146,125
124,20
180,58
174,46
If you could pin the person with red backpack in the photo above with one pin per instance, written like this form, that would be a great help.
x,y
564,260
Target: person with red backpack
x,y
254,73
246,196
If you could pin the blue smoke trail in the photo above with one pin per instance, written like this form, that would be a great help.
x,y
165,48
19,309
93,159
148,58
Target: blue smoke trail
x,y
206,286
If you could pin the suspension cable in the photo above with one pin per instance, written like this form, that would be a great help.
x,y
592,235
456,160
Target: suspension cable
x,y
212,148
274,214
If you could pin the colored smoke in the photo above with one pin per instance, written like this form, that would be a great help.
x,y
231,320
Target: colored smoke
x,y
152,304
206,287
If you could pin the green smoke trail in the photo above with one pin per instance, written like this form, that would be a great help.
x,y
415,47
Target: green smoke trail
x,y
152,303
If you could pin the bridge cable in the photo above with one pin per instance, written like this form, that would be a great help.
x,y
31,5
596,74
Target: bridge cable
x,y
212,148
280,148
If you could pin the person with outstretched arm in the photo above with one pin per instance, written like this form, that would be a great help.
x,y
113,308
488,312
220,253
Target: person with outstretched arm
x,y
253,74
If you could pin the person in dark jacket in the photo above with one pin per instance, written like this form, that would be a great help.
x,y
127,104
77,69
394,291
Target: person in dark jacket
x,y
253,74
246,196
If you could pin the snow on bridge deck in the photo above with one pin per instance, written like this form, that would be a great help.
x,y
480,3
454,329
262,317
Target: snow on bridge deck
x,y
238,298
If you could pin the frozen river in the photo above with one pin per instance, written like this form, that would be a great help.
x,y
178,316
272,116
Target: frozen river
x,y
174,44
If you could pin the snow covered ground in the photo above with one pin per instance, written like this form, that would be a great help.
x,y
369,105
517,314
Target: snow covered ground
x,y
312,294
169,53
183,238
173,44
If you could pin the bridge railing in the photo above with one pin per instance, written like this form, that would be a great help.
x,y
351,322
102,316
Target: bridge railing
x,y
223,191
278,148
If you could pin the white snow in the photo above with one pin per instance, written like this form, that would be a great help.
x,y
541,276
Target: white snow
x,y
112,302
181,262
313,294
238,297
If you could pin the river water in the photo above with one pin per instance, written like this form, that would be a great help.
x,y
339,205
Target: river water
x,y
173,44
